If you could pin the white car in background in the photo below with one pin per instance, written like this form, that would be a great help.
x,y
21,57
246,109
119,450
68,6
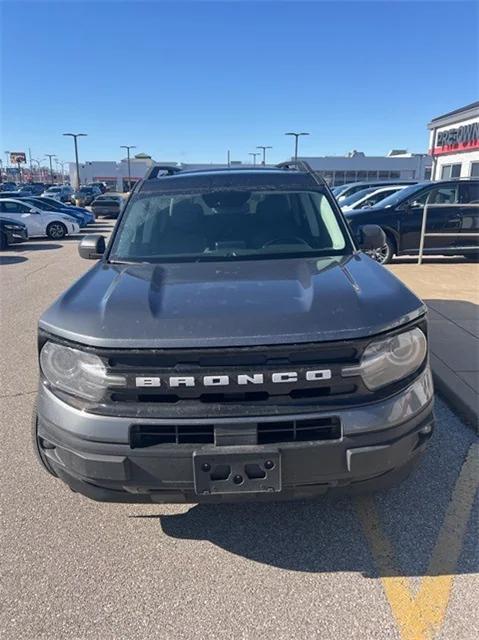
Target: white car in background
x,y
369,197
39,223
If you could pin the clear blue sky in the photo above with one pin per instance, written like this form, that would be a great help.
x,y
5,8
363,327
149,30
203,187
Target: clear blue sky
x,y
187,80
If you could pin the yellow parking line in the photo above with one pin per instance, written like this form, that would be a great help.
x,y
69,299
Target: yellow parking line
x,y
420,617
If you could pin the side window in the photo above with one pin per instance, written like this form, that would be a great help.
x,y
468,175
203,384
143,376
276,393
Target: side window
x,y
435,195
12,207
443,195
469,193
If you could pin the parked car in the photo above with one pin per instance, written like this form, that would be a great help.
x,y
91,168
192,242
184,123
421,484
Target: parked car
x,y
38,222
70,207
232,343
11,232
12,194
109,206
368,197
101,185
37,188
400,216
345,190
8,186
62,193
83,217
25,190
85,195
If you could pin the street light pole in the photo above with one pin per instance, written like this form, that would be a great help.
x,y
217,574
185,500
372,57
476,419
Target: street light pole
x,y
50,156
296,136
254,157
62,165
264,152
128,147
77,164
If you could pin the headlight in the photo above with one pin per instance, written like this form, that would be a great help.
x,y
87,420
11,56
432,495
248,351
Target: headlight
x,y
77,372
13,227
386,361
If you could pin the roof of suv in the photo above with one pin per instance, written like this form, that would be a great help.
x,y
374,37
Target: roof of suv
x,y
237,179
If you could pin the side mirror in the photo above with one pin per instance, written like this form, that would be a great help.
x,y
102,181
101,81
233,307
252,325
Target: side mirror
x,y
371,236
92,247
416,205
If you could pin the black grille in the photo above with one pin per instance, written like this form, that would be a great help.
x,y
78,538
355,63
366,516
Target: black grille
x,y
234,400
299,430
339,388
280,431
150,435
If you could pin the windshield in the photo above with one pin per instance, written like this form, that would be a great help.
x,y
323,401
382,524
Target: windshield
x,y
347,202
399,196
54,190
219,225
340,188
41,203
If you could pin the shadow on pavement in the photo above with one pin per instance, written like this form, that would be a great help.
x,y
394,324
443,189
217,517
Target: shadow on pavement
x,y
6,259
326,535
31,245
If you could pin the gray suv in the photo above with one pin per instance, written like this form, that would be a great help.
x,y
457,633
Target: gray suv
x,y
232,343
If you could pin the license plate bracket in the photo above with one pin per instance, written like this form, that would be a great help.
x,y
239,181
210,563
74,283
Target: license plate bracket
x,y
233,471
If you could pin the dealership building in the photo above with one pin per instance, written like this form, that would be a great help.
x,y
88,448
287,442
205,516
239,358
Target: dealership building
x,y
115,174
356,166
336,170
454,143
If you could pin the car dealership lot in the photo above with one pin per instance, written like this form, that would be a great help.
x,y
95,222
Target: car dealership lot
x,y
332,568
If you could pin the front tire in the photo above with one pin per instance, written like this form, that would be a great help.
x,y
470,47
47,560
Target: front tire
x,y
56,231
383,254
3,241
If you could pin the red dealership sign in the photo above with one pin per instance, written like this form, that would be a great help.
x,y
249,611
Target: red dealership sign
x,y
463,138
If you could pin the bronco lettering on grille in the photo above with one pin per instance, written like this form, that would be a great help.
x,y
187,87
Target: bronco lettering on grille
x,y
224,380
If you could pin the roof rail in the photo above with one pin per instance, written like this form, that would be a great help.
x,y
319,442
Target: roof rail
x,y
155,170
302,165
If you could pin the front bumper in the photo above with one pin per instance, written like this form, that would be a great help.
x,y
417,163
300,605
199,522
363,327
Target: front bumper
x,y
16,235
380,443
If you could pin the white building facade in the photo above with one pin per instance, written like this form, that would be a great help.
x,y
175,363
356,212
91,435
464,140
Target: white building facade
x,y
114,174
454,143
358,167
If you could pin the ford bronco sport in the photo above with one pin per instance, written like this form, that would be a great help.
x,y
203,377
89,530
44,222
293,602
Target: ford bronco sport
x,y
232,343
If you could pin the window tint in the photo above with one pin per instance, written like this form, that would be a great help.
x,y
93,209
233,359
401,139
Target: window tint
x,y
374,199
14,207
228,225
438,195
469,192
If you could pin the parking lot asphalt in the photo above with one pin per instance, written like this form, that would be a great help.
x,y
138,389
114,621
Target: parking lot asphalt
x,y
402,564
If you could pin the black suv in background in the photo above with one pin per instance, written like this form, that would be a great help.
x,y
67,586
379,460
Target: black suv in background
x,y
452,208
232,343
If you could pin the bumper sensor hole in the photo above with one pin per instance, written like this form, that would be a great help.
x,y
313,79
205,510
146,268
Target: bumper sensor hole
x,y
254,471
221,472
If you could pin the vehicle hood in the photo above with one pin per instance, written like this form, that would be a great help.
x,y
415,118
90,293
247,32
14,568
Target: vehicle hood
x,y
231,304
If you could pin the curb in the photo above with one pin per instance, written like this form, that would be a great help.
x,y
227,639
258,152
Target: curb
x,y
456,392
